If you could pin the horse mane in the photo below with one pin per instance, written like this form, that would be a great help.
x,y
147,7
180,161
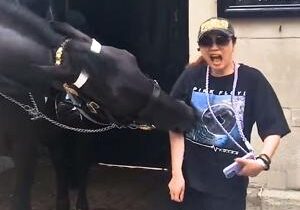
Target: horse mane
x,y
25,22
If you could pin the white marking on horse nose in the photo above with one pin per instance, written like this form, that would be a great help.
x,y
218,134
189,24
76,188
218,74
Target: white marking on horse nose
x,y
96,46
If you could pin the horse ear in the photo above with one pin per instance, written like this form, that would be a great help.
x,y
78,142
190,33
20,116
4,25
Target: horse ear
x,y
69,31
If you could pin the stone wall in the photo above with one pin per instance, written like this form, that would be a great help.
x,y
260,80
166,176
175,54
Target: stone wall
x,y
271,45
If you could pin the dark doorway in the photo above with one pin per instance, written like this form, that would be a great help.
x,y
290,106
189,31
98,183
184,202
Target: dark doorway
x,y
156,32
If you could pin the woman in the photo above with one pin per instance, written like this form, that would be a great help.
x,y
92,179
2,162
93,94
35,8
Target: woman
x,y
230,98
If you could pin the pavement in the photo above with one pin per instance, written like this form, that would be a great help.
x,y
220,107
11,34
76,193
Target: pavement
x,y
113,188
270,199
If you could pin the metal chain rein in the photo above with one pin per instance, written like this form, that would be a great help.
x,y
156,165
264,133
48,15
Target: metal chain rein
x,y
36,114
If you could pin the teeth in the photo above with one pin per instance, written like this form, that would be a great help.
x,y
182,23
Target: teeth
x,y
215,57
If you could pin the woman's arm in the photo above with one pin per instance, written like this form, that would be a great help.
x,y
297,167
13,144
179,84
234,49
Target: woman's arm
x,y
254,167
177,182
271,144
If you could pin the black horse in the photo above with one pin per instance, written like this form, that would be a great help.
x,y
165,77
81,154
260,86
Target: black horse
x,y
20,138
114,81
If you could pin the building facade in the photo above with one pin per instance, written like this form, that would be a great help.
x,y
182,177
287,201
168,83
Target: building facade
x,y
271,45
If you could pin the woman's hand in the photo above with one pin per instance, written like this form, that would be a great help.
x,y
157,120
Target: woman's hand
x,y
250,167
177,187
177,182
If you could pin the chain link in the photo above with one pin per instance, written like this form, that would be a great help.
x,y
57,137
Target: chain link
x,y
36,114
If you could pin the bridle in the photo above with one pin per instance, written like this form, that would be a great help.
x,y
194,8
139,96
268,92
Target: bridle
x,y
94,111
79,102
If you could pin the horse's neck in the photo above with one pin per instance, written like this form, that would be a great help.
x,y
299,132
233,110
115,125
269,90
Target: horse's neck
x,y
24,22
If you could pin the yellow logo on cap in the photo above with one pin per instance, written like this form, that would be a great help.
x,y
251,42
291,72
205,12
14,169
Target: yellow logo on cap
x,y
214,24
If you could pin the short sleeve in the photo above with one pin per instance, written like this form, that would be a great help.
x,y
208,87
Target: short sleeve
x,y
269,115
181,89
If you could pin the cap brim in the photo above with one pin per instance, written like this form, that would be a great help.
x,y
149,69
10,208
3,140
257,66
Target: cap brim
x,y
226,32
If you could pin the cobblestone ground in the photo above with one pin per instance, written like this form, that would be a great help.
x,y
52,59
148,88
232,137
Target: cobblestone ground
x,y
110,188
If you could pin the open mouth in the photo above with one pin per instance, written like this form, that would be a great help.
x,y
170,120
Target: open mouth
x,y
216,59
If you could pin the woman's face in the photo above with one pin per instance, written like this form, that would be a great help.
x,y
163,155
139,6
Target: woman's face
x,y
217,50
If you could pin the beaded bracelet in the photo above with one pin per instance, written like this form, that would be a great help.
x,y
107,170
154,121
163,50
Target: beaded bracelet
x,y
262,163
266,159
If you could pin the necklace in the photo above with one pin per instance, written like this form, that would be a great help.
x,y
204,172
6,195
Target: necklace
x,y
238,121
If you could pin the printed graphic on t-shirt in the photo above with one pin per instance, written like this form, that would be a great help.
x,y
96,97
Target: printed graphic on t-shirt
x,y
208,132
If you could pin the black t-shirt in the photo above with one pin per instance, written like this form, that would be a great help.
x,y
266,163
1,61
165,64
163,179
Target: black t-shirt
x,y
208,150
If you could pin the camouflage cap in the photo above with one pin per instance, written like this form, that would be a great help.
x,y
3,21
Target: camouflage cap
x,y
215,24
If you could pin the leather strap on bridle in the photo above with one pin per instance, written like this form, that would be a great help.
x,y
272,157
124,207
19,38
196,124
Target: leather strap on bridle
x,y
152,100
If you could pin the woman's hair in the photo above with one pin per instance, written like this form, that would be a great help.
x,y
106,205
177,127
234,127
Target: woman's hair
x,y
200,61
233,38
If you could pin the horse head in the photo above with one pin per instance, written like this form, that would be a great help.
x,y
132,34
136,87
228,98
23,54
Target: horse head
x,y
114,87
106,81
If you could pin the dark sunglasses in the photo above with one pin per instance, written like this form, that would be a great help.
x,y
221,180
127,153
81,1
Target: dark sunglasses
x,y
220,40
